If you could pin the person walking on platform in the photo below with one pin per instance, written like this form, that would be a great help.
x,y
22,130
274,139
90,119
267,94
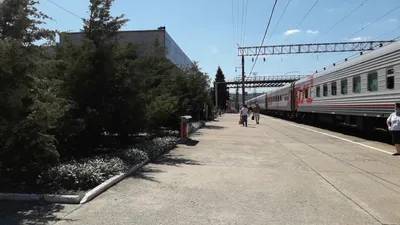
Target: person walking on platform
x,y
393,123
243,115
256,113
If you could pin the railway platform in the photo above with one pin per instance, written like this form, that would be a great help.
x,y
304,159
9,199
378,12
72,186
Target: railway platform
x,y
275,172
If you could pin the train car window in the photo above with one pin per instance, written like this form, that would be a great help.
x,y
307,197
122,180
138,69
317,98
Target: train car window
x,y
373,81
318,91
357,84
343,87
325,90
333,88
390,78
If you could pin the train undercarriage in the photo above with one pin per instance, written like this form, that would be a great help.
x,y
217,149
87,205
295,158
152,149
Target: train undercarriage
x,y
361,123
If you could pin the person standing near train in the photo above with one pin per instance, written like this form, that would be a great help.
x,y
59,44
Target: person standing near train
x,y
393,123
243,115
256,113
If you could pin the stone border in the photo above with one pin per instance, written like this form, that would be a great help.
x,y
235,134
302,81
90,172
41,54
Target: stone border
x,y
89,195
73,199
69,199
110,182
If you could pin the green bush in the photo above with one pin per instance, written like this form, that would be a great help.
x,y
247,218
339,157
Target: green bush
x,y
87,173
157,146
83,174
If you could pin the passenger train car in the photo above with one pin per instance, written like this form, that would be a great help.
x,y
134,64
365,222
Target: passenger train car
x,y
360,92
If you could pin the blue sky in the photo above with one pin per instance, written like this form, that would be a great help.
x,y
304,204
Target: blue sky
x,y
206,32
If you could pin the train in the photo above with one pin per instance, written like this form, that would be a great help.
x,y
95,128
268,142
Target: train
x,y
361,92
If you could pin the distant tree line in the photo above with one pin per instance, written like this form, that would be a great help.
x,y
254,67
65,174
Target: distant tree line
x,y
63,104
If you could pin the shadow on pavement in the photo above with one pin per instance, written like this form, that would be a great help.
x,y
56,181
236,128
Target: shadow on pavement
x,y
29,213
146,173
213,127
189,142
170,159
174,160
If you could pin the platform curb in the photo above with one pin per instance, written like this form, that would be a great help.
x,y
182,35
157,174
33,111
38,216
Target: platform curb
x,y
69,199
20,197
109,183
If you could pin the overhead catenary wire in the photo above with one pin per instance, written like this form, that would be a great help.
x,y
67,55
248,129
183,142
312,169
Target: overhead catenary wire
x,y
280,18
312,7
265,34
387,13
388,33
66,10
341,20
373,22
245,22
233,30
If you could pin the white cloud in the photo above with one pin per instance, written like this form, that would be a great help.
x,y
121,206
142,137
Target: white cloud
x,y
214,50
359,39
289,32
392,20
312,32
330,10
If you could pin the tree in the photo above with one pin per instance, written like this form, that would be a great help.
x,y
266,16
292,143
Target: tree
x,y
29,104
101,83
223,93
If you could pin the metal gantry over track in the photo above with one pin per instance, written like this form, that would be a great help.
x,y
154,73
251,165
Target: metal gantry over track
x,y
300,49
264,81
312,48
258,82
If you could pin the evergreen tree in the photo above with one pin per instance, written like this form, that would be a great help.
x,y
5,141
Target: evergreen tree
x,y
100,83
29,105
223,93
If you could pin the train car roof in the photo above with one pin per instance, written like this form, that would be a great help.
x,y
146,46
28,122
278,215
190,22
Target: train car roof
x,y
256,97
365,57
279,89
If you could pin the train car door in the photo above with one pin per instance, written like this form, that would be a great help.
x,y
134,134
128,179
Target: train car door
x,y
292,97
266,102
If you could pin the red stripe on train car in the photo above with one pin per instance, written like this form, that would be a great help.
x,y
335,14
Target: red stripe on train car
x,y
352,105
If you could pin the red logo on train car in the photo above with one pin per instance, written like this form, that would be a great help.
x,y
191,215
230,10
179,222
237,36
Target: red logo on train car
x,y
301,97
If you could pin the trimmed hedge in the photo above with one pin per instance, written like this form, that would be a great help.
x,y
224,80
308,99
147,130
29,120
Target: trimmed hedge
x,y
86,174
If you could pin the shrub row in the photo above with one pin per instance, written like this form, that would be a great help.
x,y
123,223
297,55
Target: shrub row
x,y
195,126
85,174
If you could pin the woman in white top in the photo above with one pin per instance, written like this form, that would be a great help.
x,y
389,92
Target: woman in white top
x,y
393,123
243,114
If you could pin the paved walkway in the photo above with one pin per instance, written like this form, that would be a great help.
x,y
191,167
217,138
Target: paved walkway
x,y
276,172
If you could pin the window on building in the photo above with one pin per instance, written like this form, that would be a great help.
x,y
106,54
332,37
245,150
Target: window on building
x,y
373,81
390,78
318,91
343,87
333,88
325,90
357,84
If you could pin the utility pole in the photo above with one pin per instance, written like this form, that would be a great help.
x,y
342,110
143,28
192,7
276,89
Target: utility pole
x,y
243,91
216,93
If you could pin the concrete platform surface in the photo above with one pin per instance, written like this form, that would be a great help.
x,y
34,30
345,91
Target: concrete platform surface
x,y
276,172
